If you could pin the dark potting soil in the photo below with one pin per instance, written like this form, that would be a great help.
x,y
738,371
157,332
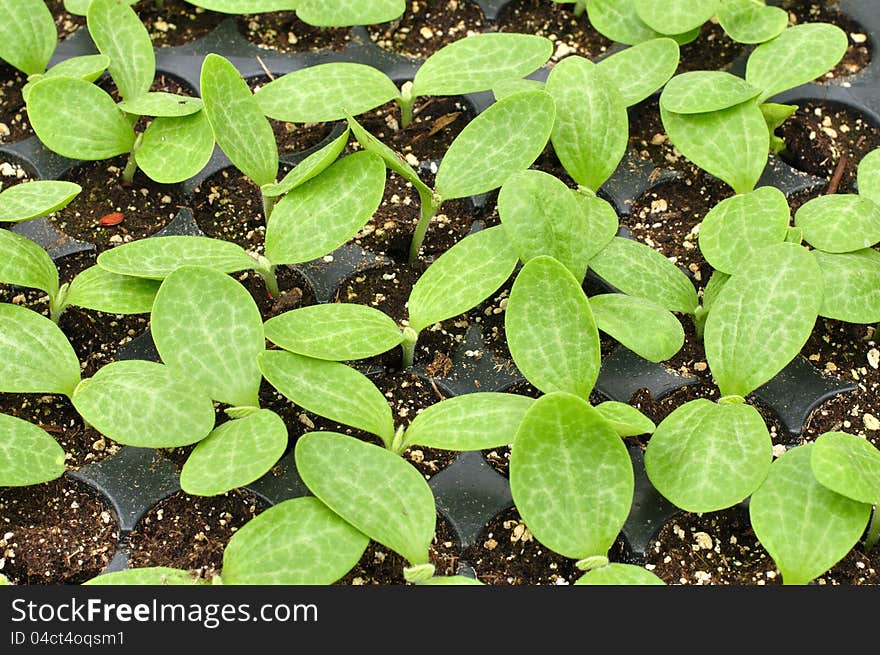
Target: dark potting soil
x,y
58,532
571,35
548,162
14,124
648,140
65,22
284,32
13,172
229,206
428,25
711,50
177,22
191,532
295,291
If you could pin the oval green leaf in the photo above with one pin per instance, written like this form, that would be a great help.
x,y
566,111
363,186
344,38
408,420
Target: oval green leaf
x,y
28,35
161,103
97,289
848,465
347,13
747,21
643,68
619,21
619,574
313,165
675,16
175,149
28,200
648,329
626,420
839,222
84,67
28,454
868,176
25,263
443,580
697,92
118,32
851,285
149,576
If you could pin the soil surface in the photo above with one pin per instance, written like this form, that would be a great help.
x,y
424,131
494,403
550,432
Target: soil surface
x,y
284,32
13,172
177,22
711,50
65,22
14,124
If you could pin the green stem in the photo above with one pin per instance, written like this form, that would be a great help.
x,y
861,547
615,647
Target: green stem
x,y
268,205
58,303
408,345
579,7
131,165
398,442
406,102
430,205
873,536
266,270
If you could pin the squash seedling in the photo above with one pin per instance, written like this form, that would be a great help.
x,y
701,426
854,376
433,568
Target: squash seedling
x,y
320,13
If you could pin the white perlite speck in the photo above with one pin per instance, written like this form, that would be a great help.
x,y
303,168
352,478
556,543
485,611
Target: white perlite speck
x,y
871,422
874,358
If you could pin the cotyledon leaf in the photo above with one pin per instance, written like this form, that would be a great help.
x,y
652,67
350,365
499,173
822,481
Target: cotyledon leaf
x,y
868,176
144,404
626,420
120,34
103,291
157,257
571,476
25,263
619,21
209,331
378,492
675,16
313,165
84,67
28,36
619,574
696,92
80,7
706,455
299,541
847,464
747,21
147,576
851,285
643,68
28,200
161,103
509,87
804,526
346,13
645,327
28,454
839,222
175,148
441,580
241,6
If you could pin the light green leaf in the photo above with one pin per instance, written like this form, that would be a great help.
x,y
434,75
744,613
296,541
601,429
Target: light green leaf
x,y
675,16
762,317
160,103
28,200
325,92
716,282
592,128
311,166
571,477
84,67
508,87
602,223
619,21
78,120
848,465
731,144
148,576
119,33
28,454
240,128
747,21
619,574
478,62
851,285
474,421
441,580
209,331
300,541
550,328
697,92
334,331
144,404
800,54
25,263
648,329
35,355
868,176
157,257
839,222
95,288
637,270
345,13
806,527
734,229
234,454
504,139
174,149
330,389
706,456
239,6
462,277
376,491
643,68
28,36
626,420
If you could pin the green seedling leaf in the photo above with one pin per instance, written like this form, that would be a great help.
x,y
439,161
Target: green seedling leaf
x,y
85,67
619,574
601,224
300,541
345,13
157,257
35,355
325,92
851,285
311,166
716,282
376,491
330,389
571,477
637,270
474,421
508,87
868,176
848,465
504,139
734,229
80,7
78,120
28,200
160,103
148,576
478,62
240,128
626,420
762,317
4,580
119,33
144,404
619,21
28,454
806,527
592,128
643,68
334,331
209,331
800,54
775,115
320,215
234,454
731,144
174,149
439,580
675,16
707,456
238,6
747,21
28,35
25,263
462,277
648,329
550,329
839,223
95,288
697,92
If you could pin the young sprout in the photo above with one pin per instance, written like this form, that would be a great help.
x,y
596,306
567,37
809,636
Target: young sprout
x,y
321,13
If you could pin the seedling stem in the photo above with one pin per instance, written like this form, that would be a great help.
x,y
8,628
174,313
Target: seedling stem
x,y
406,104
430,204
410,337
131,165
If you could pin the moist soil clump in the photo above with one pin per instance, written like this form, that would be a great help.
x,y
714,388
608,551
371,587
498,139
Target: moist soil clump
x,y
283,31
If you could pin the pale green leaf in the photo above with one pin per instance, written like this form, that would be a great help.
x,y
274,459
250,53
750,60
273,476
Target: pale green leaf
x,y
28,454
571,477
697,92
345,13
299,541
28,200
706,456
806,527
80,7
25,263
174,149
392,160
619,21
311,166
849,465
119,33
379,493
747,21
84,67
98,289
161,103
868,176
839,222
508,87
462,277
28,35
144,404
675,16
619,574
851,285
550,328
648,329
626,420
442,580
147,576
643,68
601,224
240,6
